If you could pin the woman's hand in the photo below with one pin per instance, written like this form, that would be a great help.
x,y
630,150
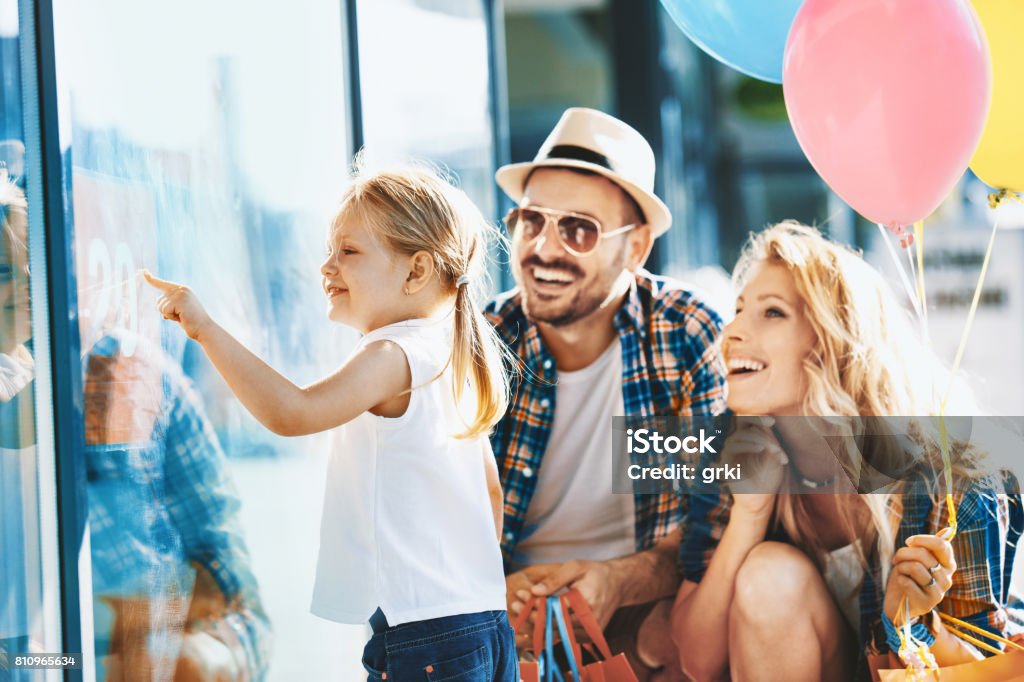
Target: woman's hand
x,y
180,305
753,444
922,573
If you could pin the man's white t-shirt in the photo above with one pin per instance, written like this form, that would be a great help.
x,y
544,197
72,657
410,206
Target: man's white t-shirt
x,y
573,513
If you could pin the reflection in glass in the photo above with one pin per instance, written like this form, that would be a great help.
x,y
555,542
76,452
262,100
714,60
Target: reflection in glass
x,y
172,580
26,623
208,149
20,561
426,88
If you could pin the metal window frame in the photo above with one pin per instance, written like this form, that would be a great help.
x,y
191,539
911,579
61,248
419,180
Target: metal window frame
x,y
57,343
354,99
501,136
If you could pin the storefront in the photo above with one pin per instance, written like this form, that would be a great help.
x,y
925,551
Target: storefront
x,y
206,143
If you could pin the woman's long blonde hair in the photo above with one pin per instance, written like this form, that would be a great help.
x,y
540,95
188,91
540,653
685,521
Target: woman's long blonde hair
x,y
868,360
413,208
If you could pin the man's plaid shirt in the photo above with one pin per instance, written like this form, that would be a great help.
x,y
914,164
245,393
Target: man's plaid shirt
x,y
670,366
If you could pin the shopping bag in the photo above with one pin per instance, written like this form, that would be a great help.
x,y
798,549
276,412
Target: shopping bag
x,y
559,614
539,663
1008,667
528,662
606,667
1002,666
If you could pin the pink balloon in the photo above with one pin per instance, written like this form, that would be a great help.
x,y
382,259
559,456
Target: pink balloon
x,y
888,99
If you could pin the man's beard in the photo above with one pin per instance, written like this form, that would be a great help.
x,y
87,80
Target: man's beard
x,y
584,303
576,310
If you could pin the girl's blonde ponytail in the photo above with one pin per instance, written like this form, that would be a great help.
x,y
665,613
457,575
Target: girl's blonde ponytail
x,y
414,209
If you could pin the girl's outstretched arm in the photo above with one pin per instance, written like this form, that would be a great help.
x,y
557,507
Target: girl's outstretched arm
x,y
375,376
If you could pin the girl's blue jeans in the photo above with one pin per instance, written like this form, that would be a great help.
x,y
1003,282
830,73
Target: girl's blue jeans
x,y
474,647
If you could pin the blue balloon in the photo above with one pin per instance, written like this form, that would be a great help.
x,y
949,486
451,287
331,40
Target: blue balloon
x,y
748,35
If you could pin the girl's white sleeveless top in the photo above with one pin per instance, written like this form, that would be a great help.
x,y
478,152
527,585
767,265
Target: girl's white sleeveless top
x,y
407,523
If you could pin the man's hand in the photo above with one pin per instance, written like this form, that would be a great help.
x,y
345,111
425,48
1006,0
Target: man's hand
x,y
595,582
518,588
204,658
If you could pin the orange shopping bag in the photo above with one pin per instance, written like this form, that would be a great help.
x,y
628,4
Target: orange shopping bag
x,y
529,666
1008,667
606,667
1002,666
540,660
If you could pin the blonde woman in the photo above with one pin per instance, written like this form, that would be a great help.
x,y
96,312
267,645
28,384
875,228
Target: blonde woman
x,y
412,510
784,586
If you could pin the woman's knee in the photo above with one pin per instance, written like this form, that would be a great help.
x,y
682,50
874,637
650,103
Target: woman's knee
x,y
774,581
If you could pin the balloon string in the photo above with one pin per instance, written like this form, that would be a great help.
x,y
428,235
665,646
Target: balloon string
x,y
919,238
961,348
900,271
970,315
915,278
914,653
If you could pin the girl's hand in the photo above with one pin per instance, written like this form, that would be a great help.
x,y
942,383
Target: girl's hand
x,y
753,444
180,305
922,573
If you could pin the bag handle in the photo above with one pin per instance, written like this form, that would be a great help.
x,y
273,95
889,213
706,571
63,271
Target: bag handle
x,y
564,606
543,626
555,614
520,620
546,659
539,624
585,617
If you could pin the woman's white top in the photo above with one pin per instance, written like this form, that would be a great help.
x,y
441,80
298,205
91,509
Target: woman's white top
x,y
407,523
844,575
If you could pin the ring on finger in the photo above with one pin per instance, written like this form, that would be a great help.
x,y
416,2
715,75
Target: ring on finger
x,y
934,568
931,583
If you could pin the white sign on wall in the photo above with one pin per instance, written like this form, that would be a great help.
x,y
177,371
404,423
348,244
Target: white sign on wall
x,y
994,357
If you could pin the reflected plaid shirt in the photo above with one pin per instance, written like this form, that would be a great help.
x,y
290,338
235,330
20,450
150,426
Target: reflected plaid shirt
x,y
670,366
990,521
161,496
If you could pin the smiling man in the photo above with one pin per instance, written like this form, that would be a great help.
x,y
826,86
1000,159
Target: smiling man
x,y
598,336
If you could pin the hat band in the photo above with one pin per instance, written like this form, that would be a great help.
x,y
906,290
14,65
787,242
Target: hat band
x,y
571,151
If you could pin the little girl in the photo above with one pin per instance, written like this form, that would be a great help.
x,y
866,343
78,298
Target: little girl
x,y
412,511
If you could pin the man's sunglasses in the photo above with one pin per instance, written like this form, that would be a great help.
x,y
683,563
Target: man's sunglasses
x,y
580,234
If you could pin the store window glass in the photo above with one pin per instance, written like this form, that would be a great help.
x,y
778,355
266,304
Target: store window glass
x,y
27,515
559,55
425,88
205,142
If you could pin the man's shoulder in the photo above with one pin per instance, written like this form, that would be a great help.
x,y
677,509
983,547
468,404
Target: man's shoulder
x,y
671,301
505,313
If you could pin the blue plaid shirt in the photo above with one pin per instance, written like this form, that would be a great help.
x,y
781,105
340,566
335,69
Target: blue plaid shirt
x,y
670,366
160,500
